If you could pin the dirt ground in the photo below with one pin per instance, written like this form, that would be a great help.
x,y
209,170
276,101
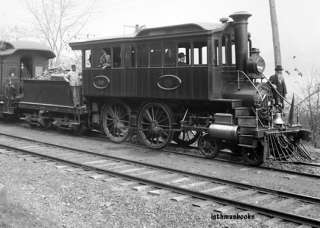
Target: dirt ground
x,y
41,195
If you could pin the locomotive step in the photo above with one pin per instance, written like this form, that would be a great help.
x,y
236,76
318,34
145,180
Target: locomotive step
x,y
247,121
242,111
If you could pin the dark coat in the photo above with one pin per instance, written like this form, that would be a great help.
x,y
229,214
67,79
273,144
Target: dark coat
x,y
281,85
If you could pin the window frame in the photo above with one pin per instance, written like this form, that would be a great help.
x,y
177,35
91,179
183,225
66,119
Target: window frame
x,y
200,52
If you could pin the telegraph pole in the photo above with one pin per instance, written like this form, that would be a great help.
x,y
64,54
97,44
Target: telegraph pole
x,y
275,33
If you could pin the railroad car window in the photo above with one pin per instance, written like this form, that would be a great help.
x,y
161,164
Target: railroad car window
x,y
88,58
169,50
184,53
104,58
142,55
216,52
233,54
130,56
200,53
155,54
133,57
223,54
116,57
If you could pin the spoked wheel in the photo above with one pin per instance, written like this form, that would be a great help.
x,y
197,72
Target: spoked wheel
x,y
116,121
208,147
186,137
253,156
154,125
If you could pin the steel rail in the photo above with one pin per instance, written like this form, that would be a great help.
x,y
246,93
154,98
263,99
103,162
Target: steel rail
x,y
291,172
199,156
305,198
245,206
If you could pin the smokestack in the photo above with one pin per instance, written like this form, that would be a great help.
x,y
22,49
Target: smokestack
x,y
240,21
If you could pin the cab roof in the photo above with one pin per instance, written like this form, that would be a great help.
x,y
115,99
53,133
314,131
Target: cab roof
x,y
9,48
190,29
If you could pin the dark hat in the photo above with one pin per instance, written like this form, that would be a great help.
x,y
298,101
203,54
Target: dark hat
x,y
278,68
180,55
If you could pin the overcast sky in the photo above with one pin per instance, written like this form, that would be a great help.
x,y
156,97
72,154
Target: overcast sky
x,y
298,24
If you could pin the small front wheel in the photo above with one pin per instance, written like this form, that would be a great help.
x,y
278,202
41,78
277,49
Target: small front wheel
x,y
252,156
208,147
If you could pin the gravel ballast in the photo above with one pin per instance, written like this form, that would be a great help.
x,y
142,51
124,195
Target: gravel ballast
x,y
42,195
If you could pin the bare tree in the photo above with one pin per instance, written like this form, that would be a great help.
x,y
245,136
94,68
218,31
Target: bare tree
x,y
58,21
309,107
9,33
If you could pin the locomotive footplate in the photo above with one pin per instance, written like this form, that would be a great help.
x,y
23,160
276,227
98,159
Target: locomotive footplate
x,y
53,107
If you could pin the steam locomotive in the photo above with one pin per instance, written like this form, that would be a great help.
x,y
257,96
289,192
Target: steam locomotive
x,y
215,96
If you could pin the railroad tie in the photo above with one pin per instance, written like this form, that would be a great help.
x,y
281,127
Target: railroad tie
x,y
141,188
180,198
131,170
242,193
259,198
95,162
146,172
178,180
272,222
157,192
195,184
280,203
305,207
106,164
218,188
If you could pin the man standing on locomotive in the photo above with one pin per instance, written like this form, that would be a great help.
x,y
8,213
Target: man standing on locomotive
x,y
73,77
279,86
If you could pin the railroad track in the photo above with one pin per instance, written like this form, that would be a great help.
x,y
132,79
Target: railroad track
x,y
172,148
222,157
295,208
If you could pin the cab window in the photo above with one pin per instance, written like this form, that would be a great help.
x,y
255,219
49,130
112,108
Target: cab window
x,y
169,52
87,59
116,57
200,52
155,54
184,54
104,58
142,55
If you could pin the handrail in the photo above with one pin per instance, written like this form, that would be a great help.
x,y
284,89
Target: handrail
x,y
278,92
264,77
243,73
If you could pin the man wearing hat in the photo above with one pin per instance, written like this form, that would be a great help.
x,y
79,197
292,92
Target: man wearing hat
x,y
181,59
279,85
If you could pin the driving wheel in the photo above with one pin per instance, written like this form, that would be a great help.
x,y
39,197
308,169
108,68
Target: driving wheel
x,y
116,121
155,125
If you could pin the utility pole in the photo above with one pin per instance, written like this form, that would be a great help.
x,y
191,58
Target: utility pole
x,y
275,33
